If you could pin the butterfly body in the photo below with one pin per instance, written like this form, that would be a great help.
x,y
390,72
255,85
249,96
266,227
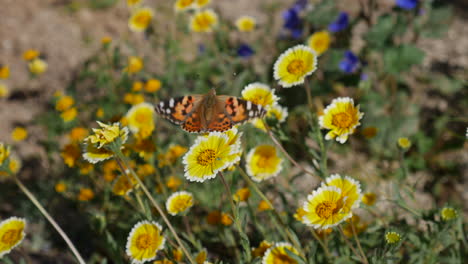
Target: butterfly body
x,y
208,113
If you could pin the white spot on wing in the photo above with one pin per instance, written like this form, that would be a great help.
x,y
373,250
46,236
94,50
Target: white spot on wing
x,y
249,105
168,111
171,102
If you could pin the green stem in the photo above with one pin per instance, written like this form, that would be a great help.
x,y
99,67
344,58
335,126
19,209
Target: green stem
x,y
324,247
363,256
348,243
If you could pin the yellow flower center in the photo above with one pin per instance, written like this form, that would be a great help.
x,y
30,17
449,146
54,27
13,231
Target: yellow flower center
x,y
342,120
263,161
296,67
143,19
142,118
11,236
203,21
283,258
206,157
326,209
143,241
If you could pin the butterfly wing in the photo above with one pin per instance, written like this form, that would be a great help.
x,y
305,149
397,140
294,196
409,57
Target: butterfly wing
x,y
182,111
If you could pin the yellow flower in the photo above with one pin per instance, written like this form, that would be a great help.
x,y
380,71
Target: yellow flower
x,y
325,208
182,5
152,85
140,120
85,194
14,165
369,198
37,66
124,185
69,115
263,162
4,153
202,3
146,169
278,254
242,195
392,237
179,202
64,103
77,134
260,94
70,154
226,219
86,168
106,40
204,21
350,190
19,134
261,249
448,213
201,257
30,54
133,99
137,86
109,168
100,112
299,215
263,206
341,117
4,72
358,226
404,143
369,132
319,41
94,154
276,111
131,3
140,19
294,65
60,187
173,183
208,156
164,261
144,242
135,64
171,156
107,134
11,234
4,92
245,23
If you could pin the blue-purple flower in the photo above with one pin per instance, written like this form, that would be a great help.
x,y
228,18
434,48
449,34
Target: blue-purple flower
x,y
245,51
407,4
340,23
349,63
293,22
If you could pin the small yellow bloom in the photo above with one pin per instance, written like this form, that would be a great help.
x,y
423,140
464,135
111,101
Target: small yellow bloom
x,y
135,64
276,111
64,103
178,254
4,153
106,40
133,99
179,202
140,19
85,194
245,23
213,217
369,132
107,134
171,156
278,254
183,5
201,257
70,154
77,134
37,66
404,143
350,190
124,185
263,206
263,162
60,187
202,3
14,165
4,72
100,112
4,92
299,215
319,41
11,234
132,3
95,155
30,54
392,237
294,65
448,213
86,168
144,241
164,261
260,94
204,21
261,249
19,134
369,198
110,169
137,86
226,219
140,120
152,85
342,118
69,115
146,170
242,195
359,227
173,183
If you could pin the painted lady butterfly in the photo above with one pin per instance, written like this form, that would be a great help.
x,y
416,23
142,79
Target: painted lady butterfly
x,y
208,113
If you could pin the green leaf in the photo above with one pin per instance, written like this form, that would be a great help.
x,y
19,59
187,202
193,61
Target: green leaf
x,y
400,59
438,22
381,31
323,14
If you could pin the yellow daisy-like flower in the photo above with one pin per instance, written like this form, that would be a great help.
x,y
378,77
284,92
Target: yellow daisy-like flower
x,y
64,103
69,115
94,155
261,249
60,187
299,215
179,202
263,206
86,194
144,241
140,19
342,118
369,198
260,94
202,3
152,85
4,153
201,257
246,23
11,234
37,66
77,134
133,99
132,3
208,156
173,183
178,254
107,134
30,54
278,254
137,86
226,219
241,195
70,154
106,40
448,213
276,111
263,162
100,112
140,120
4,92
350,190
135,64
204,21
124,185
19,134
392,237
183,5
294,65
404,143
14,164
325,208
4,72
319,41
